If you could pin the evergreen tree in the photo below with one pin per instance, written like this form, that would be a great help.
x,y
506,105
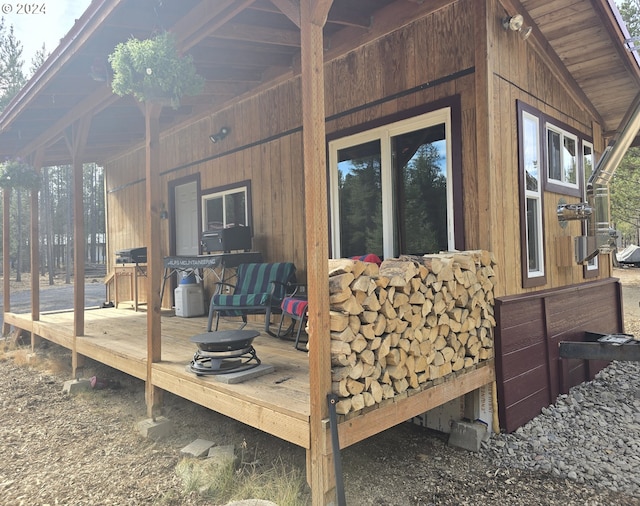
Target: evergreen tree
x,y
630,12
12,77
38,59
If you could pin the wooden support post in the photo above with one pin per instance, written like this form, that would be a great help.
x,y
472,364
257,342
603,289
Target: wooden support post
x,y
319,471
6,257
76,143
484,126
35,251
152,112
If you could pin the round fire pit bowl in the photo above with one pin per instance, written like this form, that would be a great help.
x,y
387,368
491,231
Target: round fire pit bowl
x,y
224,340
224,352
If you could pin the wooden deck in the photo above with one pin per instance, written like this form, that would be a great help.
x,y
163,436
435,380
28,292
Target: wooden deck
x,y
277,403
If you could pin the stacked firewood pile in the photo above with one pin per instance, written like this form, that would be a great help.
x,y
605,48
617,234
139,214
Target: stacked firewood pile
x,y
406,323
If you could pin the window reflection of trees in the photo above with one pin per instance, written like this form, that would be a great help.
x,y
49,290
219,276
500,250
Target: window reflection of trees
x,y
422,213
361,205
419,195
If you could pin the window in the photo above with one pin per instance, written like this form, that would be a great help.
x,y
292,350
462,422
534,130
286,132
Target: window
x,y
562,157
591,268
225,207
392,190
531,195
567,162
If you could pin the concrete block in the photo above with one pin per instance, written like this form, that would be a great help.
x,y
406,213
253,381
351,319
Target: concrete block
x,y
155,429
76,386
238,377
467,435
222,454
197,448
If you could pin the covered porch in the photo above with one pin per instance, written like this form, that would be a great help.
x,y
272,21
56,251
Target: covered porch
x,y
276,403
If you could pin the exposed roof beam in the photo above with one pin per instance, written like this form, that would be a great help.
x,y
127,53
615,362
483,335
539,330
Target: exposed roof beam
x,y
211,56
99,99
206,18
319,11
338,15
259,34
290,9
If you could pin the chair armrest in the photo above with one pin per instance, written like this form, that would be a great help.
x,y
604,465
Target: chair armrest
x,y
297,290
218,285
289,289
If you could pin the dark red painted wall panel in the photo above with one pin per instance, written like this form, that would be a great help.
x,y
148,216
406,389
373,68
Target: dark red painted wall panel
x,y
529,372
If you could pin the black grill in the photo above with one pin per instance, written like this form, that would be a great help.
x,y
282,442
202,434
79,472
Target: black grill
x,y
132,256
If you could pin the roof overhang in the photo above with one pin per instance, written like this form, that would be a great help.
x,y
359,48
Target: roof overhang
x,y
245,46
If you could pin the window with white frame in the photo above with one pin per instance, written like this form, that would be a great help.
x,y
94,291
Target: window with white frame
x,y
391,188
562,157
588,166
531,190
225,207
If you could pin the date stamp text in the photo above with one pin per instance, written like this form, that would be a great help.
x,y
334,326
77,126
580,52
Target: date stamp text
x,y
23,8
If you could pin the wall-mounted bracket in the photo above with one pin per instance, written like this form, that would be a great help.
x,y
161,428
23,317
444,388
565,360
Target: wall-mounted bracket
x,y
581,211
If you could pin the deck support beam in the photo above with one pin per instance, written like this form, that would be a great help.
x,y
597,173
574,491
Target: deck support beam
x,y
153,394
320,473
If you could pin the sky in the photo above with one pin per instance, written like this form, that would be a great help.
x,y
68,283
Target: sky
x,y
47,27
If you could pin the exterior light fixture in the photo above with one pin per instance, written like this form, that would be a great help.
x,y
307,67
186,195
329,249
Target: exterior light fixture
x,y
224,131
515,23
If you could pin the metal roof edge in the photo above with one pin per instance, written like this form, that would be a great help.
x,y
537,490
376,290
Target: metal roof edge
x,y
624,32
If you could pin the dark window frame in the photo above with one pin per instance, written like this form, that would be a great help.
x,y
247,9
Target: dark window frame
x,y
454,103
529,281
551,185
231,186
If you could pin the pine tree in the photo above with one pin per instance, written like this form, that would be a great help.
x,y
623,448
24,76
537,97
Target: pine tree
x,y
12,77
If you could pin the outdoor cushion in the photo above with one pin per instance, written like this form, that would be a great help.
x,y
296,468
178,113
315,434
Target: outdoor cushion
x,y
259,289
294,306
370,257
296,309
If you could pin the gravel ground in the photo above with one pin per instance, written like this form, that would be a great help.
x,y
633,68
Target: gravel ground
x,y
85,450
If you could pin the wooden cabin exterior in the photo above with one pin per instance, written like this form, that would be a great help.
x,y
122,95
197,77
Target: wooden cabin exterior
x,y
502,112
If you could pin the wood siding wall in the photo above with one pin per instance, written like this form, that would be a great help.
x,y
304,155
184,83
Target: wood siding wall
x,y
519,73
529,372
265,143
430,59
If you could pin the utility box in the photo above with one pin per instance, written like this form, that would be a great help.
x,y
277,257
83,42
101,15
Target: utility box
x,y
189,300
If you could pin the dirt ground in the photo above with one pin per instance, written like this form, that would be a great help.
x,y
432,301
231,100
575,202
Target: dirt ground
x,y
85,449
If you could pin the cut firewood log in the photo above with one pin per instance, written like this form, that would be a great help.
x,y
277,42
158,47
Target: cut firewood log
x,y
343,406
339,266
340,282
412,320
354,387
338,321
349,306
376,391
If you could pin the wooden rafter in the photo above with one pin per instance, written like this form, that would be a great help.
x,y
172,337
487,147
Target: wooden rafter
x,y
290,9
198,25
259,34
